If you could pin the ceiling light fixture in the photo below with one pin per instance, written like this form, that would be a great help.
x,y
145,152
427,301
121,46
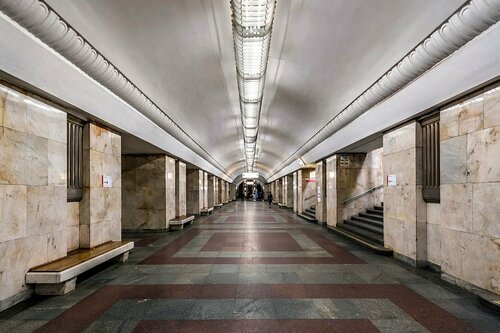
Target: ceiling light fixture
x,y
252,22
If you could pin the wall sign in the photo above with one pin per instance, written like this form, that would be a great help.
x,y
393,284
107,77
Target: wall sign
x,y
391,180
106,181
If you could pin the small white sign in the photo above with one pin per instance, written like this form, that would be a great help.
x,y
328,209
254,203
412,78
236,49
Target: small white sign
x,y
391,180
107,181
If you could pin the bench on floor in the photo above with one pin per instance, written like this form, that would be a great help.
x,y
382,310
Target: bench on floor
x,y
178,222
206,211
219,205
281,205
59,277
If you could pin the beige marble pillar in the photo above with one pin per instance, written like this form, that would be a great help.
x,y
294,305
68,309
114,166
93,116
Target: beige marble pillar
x,y
321,192
300,194
216,191
331,191
194,191
211,191
180,188
295,193
404,209
101,207
205,190
148,192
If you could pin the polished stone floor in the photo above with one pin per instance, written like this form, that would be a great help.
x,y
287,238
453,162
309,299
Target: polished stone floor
x,y
252,268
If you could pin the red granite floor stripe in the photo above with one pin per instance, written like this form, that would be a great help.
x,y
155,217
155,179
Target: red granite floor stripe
x,y
252,325
428,314
173,247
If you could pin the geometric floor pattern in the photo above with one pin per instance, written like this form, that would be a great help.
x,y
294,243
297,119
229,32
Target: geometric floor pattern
x,y
252,268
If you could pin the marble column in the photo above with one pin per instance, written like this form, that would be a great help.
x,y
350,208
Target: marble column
x,y
321,192
180,188
148,192
300,194
205,190
194,191
295,193
331,189
216,191
211,191
101,207
404,208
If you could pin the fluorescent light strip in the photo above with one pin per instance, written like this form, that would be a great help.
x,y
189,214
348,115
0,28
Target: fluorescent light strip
x,y
252,23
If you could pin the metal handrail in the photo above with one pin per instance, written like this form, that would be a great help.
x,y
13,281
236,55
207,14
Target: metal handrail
x,y
362,194
312,196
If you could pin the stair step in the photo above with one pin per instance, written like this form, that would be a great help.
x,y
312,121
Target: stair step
x,y
379,208
307,217
375,212
376,238
377,248
311,215
365,226
375,217
310,211
369,221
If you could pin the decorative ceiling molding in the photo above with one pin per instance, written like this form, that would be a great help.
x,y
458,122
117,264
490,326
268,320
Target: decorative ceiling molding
x,y
466,24
45,24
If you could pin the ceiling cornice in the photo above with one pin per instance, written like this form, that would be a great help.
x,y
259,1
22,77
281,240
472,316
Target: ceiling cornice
x,y
463,26
44,23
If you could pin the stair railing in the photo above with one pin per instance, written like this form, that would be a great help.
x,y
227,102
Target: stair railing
x,y
357,196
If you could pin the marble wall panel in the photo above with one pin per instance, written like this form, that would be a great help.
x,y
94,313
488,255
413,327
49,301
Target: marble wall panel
x,y
470,228
33,207
492,108
451,252
470,116
434,243
486,215
481,261
400,139
483,158
320,192
456,207
453,157
449,123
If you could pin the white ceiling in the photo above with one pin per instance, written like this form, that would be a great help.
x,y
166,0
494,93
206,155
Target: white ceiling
x,y
323,55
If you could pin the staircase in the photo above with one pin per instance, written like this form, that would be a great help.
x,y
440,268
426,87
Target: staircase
x,y
309,214
366,229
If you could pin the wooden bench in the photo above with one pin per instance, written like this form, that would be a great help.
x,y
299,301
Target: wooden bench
x,y
178,222
59,277
207,211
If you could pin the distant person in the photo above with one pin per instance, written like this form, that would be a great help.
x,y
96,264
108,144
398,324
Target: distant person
x,y
270,199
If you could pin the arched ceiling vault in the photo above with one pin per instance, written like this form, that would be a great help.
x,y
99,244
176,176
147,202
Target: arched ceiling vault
x,y
323,55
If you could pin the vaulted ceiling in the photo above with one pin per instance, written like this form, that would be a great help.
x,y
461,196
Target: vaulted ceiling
x,y
323,55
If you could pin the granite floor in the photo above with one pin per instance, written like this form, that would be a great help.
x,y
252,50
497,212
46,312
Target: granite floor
x,y
252,268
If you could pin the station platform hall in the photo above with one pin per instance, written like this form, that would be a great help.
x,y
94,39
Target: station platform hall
x,y
250,166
